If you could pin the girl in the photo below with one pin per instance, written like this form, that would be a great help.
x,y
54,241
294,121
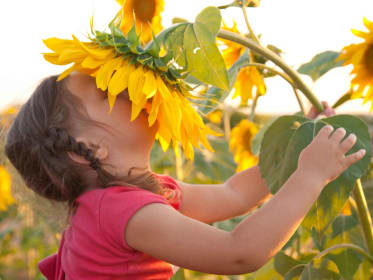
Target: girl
x,y
68,148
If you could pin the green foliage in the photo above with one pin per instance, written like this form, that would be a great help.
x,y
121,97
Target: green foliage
x,y
320,64
281,146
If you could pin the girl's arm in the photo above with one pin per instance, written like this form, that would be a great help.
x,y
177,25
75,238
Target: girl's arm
x,y
238,195
160,231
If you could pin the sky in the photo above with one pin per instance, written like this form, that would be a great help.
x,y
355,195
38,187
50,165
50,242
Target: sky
x,y
300,28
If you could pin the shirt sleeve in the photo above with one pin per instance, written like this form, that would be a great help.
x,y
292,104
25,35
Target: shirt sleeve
x,y
169,182
118,205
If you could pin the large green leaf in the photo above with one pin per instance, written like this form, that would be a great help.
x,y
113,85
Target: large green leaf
x,y
320,269
215,94
281,146
347,261
284,263
320,64
204,60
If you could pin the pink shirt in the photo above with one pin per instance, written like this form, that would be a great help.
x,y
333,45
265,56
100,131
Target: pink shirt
x,y
93,246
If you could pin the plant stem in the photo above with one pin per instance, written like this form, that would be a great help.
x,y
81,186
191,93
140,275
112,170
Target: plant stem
x,y
253,107
285,77
345,245
252,34
228,35
364,215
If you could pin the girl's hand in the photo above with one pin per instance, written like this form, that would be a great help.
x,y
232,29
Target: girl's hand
x,y
324,158
328,111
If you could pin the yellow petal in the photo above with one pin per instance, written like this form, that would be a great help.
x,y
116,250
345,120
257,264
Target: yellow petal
x,y
135,85
368,24
71,55
111,100
106,71
90,62
58,45
119,81
156,101
137,107
65,73
150,85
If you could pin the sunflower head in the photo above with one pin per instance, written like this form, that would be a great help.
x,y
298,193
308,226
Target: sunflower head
x,y
361,57
240,144
119,62
146,14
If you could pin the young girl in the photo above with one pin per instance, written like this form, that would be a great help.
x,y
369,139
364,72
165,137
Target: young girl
x,y
127,222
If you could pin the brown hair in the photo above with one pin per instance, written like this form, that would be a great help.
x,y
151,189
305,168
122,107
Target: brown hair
x,y
40,138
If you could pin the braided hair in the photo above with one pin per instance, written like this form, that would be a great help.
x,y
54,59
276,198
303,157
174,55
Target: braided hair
x,y
39,140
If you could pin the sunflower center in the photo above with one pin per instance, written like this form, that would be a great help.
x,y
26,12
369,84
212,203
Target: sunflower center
x,y
144,10
368,59
247,140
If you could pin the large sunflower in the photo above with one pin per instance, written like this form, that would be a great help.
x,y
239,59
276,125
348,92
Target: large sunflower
x,y
240,144
248,78
118,64
361,57
147,15
6,198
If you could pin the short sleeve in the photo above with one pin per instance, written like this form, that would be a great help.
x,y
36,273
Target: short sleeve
x,y
170,183
118,205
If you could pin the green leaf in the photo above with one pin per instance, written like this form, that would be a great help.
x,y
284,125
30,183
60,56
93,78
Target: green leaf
x,y
217,94
295,272
348,262
344,223
320,269
204,59
179,275
256,142
320,64
281,146
284,263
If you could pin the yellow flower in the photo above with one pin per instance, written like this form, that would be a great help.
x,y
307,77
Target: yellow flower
x,y
6,198
240,144
7,116
164,103
233,51
249,78
361,57
147,15
215,116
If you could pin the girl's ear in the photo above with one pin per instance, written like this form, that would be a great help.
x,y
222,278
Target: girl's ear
x,y
101,152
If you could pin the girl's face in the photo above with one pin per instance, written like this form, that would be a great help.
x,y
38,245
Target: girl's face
x,y
120,134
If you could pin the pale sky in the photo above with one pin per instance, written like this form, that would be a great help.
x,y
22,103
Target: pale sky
x,y
301,28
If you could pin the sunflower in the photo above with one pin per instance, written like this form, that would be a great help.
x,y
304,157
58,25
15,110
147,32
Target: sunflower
x,y
6,198
147,16
163,97
361,57
248,78
240,144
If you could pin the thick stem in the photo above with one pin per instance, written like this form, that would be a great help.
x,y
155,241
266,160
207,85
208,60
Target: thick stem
x,y
234,37
345,245
364,215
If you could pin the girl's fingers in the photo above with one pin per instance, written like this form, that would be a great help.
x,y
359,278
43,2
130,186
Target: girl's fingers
x,y
348,143
325,131
338,134
351,159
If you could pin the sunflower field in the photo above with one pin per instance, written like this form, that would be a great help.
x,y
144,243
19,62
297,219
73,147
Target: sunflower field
x,y
186,76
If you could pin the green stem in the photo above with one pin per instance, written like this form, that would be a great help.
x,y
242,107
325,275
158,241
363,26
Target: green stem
x,y
364,215
252,34
234,37
253,107
345,97
285,77
345,245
